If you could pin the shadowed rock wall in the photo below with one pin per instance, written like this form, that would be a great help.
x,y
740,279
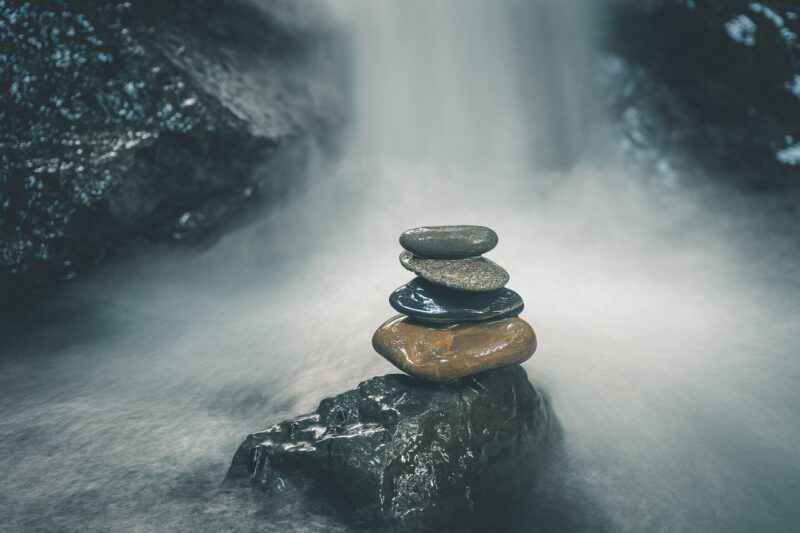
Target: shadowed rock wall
x,y
711,85
123,122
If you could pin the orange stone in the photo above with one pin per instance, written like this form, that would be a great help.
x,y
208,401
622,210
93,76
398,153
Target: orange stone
x,y
443,352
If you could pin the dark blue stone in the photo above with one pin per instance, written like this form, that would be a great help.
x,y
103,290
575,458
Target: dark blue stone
x,y
427,302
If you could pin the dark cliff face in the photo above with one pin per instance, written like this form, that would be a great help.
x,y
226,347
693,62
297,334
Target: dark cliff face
x,y
145,120
711,84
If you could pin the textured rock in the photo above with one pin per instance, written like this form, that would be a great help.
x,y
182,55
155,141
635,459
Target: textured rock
x,y
471,274
441,352
130,121
720,97
425,301
449,242
406,451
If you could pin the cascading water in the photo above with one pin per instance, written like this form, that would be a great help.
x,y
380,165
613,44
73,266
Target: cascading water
x,y
667,325
469,83
422,97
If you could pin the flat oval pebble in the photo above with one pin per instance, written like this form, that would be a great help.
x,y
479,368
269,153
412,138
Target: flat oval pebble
x,y
449,242
424,301
476,274
447,352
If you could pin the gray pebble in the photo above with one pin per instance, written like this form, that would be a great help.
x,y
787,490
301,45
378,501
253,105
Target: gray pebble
x,y
476,274
449,242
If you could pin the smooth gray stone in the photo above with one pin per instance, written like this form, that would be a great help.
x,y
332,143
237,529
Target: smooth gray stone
x,y
449,242
476,274
424,301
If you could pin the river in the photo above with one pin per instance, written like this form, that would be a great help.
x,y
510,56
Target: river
x,y
667,316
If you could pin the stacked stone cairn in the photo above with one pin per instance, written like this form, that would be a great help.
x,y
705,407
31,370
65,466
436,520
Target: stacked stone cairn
x,y
458,319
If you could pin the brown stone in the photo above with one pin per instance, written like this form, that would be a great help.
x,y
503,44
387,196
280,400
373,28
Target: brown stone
x,y
450,351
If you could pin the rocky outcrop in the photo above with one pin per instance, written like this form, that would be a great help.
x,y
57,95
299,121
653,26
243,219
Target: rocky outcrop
x,y
709,84
402,450
143,120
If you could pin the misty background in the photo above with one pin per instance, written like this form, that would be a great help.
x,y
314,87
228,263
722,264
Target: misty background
x,y
200,209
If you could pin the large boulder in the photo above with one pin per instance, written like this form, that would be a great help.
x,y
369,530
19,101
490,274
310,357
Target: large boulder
x,y
407,451
145,120
709,85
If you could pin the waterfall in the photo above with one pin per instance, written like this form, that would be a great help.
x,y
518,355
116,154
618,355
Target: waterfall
x,y
470,82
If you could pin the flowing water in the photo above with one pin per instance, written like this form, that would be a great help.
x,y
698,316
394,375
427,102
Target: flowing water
x,y
667,318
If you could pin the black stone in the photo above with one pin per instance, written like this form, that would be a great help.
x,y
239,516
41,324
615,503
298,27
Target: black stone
x,y
427,302
406,451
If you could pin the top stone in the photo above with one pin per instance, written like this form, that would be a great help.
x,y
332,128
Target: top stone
x,y
448,242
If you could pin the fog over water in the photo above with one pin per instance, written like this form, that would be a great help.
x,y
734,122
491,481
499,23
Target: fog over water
x,y
667,318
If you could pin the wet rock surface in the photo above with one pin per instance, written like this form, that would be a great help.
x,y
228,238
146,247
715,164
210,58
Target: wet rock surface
x,y
124,122
400,450
443,242
476,274
426,302
708,87
442,352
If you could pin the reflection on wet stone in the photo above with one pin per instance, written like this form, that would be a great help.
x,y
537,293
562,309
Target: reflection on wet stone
x,y
442,352
427,302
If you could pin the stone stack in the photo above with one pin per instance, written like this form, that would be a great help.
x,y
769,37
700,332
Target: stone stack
x,y
411,454
458,318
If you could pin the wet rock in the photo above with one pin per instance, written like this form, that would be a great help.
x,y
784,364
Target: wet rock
x,y
426,302
720,97
123,122
448,242
401,450
442,352
476,274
